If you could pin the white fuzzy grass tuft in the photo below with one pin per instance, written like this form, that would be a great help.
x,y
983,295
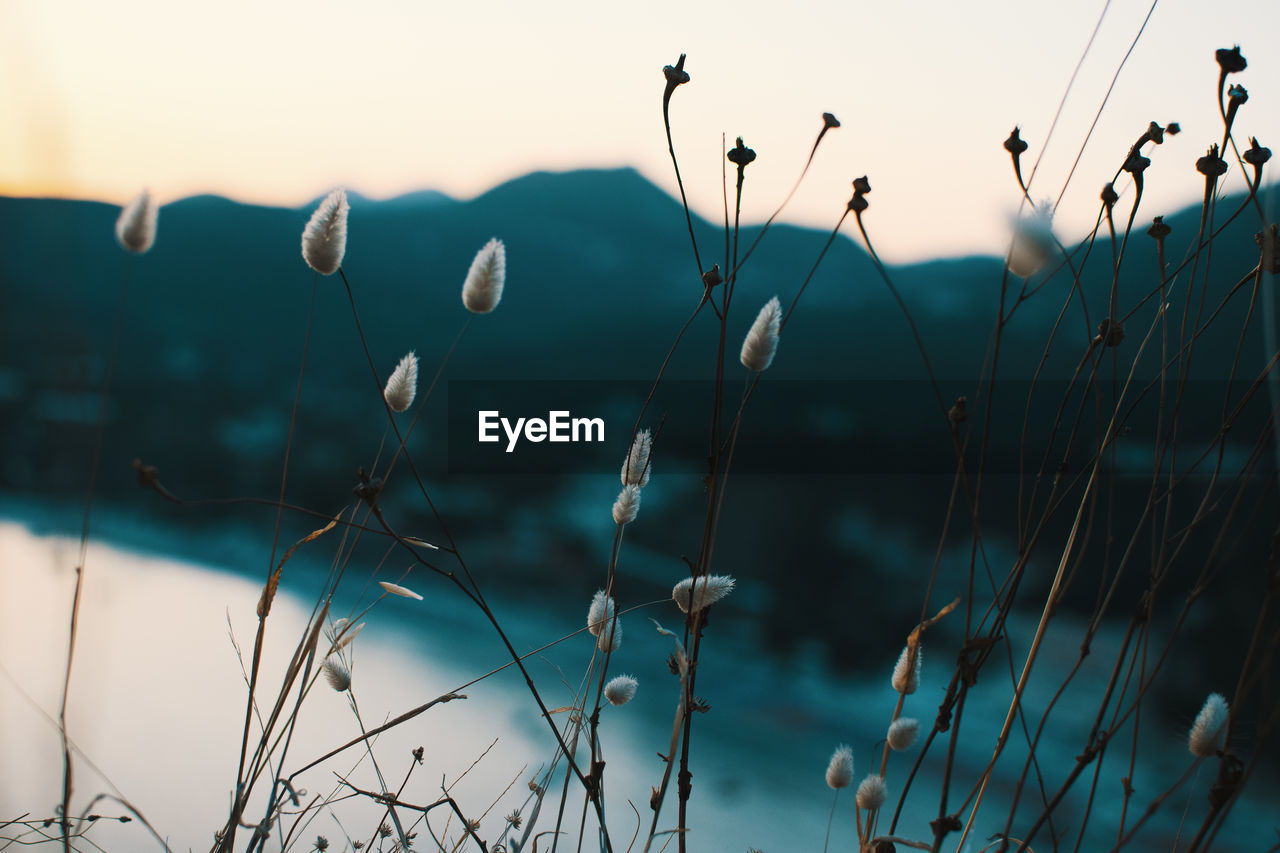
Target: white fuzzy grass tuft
x,y
482,291
1206,732
840,768
709,590
136,227
761,342
402,386
871,792
396,589
337,674
620,690
902,733
906,672
324,240
1033,243
610,635
627,505
602,609
635,469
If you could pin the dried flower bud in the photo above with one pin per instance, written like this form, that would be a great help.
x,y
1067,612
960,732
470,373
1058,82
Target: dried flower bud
x,y
906,673
1211,165
1173,128
1155,133
482,290
829,121
902,733
636,467
1255,154
1159,230
708,590
620,690
1136,163
1109,196
1268,240
627,505
712,277
396,589
402,386
675,74
1015,144
1238,94
136,227
840,768
861,186
858,203
1110,332
324,240
602,610
337,674
871,792
1230,60
740,155
1206,733
761,343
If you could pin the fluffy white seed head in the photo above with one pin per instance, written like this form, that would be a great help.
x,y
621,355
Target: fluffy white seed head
x,y
1206,732
402,386
840,767
610,639
1033,243
871,792
482,291
902,733
337,674
635,468
620,690
396,589
136,227
708,590
324,240
602,609
761,342
627,505
906,672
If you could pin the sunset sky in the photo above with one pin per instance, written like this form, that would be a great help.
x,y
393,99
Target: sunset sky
x,y
277,102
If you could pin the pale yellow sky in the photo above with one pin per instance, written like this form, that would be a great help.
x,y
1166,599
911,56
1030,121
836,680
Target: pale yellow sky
x,y
275,102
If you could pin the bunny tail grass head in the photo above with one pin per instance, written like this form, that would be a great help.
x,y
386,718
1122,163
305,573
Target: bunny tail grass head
x,y
337,674
635,468
902,733
840,768
482,291
1033,242
324,240
693,594
906,673
620,690
610,639
402,386
627,505
871,792
1206,732
761,342
602,610
396,589
136,227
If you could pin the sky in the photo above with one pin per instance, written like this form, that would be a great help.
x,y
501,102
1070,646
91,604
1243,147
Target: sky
x,y
275,103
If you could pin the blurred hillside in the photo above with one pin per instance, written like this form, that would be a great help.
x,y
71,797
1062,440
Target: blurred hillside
x,y
600,279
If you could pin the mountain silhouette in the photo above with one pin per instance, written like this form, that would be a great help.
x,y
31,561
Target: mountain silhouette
x,y
600,278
